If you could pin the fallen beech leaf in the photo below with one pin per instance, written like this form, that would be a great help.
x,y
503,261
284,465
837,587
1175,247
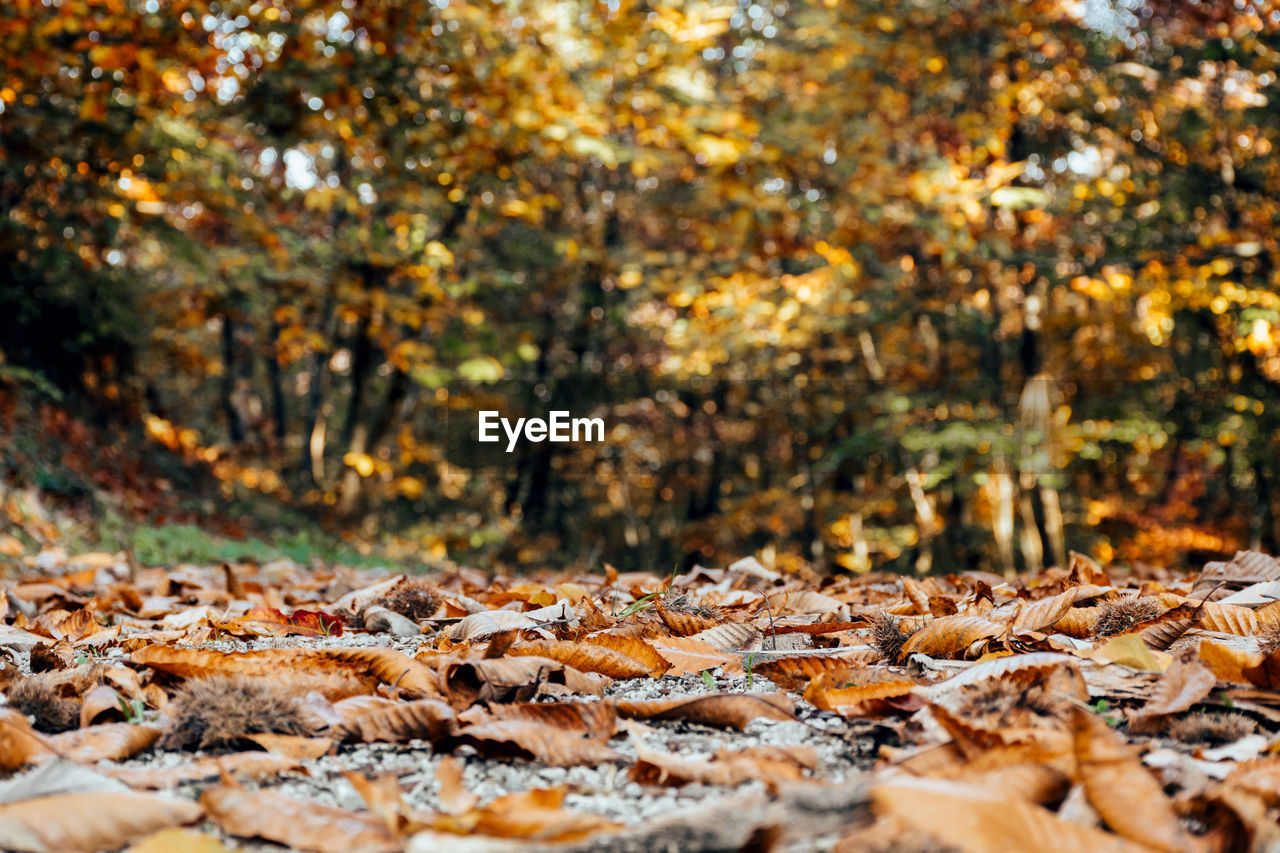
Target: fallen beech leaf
x,y
729,768
291,746
375,665
1042,614
185,840
805,601
1181,686
295,823
1129,650
1123,791
1265,672
634,648
594,719
1260,776
479,626
514,679
19,744
951,636
688,656
832,691
244,765
683,624
540,741
107,742
1226,662
455,799
304,623
722,710
795,671
972,820
426,719
534,815
584,657
731,637
99,821
101,701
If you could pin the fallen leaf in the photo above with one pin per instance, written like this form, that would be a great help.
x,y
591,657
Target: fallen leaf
x,y
721,710
688,656
584,657
244,765
98,821
295,823
953,636
1122,791
426,719
975,820
1181,686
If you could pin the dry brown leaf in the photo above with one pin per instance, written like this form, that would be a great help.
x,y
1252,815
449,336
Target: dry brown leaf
x,y
1122,790
425,719
1078,621
374,665
534,816
291,746
1033,781
730,637
1049,611
19,744
722,710
974,820
833,691
177,839
953,636
244,765
1226,662
683,624
796,671
1260,776
479,626
634,648
99,821
1182,685
101,701
107,742
526,739
688,656
1265,672
584,657
729,768
455,799
515,679
295,823
594,719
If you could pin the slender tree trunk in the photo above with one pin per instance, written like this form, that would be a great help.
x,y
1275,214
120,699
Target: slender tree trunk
x,y
235,428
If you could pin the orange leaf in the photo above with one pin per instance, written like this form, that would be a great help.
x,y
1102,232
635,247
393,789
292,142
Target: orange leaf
x,y
953,635
98,821
584,657
1122,790
688,656
723,710
634,648
295,823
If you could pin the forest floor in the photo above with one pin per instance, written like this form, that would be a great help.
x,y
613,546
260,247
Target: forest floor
x,y
252,706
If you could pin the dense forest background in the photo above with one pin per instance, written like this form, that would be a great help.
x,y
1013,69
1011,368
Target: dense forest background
x,y
912,284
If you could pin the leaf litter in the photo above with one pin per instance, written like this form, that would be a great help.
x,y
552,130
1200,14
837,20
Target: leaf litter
x,y
252,707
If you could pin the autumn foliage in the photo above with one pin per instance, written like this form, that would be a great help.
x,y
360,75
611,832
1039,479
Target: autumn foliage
x,y
1080,709
892,285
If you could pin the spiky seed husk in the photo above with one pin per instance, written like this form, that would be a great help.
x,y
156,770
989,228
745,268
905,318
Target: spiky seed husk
x,y
887,635
50,712
414,599
1119,615
1269,639
1212,729
215,712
